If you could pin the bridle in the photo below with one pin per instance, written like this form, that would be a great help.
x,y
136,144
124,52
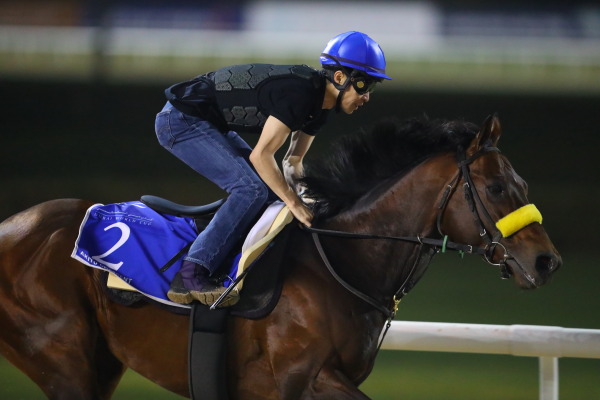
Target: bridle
x,y
479,211
477,208
492,240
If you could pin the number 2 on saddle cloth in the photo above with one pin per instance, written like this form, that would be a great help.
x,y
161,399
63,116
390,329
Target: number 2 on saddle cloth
x,y
144,248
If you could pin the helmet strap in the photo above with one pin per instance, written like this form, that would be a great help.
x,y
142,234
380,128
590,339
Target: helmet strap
x,y
341,87
338,102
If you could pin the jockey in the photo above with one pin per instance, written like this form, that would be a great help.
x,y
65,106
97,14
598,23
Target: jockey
x,y
199,125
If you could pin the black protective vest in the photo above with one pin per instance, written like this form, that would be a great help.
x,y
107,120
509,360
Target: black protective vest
x,y
236,90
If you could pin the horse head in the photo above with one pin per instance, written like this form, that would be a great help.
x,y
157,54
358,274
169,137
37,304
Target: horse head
x,y
399,183
495,214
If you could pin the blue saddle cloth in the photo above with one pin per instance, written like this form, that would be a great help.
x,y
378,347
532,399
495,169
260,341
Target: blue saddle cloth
x,y
134,242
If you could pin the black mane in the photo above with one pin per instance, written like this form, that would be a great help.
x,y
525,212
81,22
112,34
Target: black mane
x,y
356,163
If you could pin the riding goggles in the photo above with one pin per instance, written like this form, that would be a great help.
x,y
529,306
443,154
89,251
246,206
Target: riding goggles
x,y
363,85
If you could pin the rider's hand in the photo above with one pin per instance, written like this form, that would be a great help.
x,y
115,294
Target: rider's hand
x,y
301,212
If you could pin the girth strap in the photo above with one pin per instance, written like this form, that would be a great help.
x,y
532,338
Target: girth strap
x,y
207,353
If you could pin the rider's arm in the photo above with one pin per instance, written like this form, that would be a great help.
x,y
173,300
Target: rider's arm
x,y
273,136
293,167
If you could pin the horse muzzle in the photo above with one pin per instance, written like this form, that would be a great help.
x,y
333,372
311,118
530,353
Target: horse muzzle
x,y
543,267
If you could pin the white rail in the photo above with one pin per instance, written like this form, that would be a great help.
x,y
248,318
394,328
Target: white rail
x,y
548,343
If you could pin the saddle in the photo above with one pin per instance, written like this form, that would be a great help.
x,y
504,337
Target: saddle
x,y
260,254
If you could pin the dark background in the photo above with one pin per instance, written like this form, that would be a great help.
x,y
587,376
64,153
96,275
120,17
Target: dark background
x,y
92,136
96,141
89,134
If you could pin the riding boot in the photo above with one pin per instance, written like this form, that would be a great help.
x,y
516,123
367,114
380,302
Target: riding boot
x,y
192,283
178,293
189,277
207,292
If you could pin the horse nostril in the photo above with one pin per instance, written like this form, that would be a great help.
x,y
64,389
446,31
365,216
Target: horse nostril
x,y
547,263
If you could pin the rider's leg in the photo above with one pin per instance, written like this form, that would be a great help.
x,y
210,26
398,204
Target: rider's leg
x,y
222,158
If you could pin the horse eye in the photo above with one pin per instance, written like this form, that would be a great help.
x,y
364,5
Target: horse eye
x,y
495,189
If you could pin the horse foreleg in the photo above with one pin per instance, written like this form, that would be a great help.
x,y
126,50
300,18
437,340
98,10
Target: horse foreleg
x,y
48,325
65,358
333,384
328,384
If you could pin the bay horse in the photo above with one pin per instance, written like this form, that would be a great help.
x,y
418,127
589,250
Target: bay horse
x,y
385,203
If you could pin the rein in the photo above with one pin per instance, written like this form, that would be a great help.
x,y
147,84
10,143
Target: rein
x,y
440,245
443,244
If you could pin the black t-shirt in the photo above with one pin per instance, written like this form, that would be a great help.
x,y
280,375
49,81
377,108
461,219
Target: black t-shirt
x,y
295,102
244,96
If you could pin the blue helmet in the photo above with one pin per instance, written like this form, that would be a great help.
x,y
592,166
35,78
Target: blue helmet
x,y
355,50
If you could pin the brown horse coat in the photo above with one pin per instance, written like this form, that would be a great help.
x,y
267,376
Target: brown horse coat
x,y
319,342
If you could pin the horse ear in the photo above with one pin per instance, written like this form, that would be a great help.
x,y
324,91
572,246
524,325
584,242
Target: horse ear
x,y
490,132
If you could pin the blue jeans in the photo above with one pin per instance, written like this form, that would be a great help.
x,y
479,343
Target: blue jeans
x,y
223,159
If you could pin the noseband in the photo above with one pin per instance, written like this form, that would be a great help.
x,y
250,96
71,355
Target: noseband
x,y
508,225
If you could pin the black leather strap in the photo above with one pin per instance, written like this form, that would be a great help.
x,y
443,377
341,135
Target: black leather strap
x,y
368,299
207,353
442,244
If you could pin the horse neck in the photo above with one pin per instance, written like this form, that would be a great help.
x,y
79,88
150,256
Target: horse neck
x,y
404,207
